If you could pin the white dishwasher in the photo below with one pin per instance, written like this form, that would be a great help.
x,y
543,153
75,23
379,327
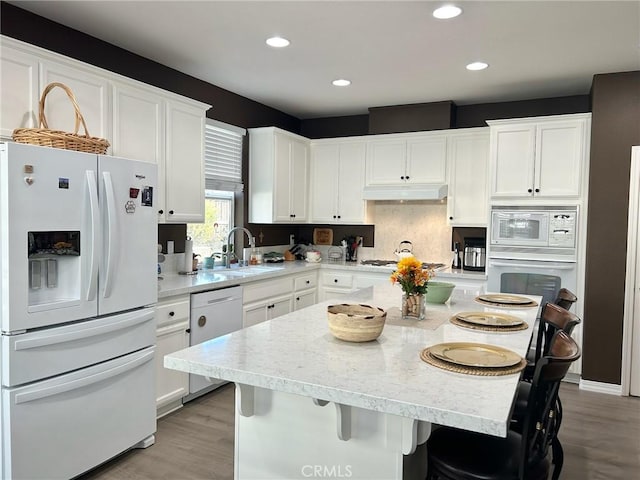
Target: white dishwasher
x,y
213,314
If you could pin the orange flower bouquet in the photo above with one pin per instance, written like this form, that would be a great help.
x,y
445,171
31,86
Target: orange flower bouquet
x,y
413,280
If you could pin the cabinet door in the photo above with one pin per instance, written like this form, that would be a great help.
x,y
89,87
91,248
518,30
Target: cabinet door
x,y
512,156
253,314
171,385
467,203
351,173
184,169
138,124
324,188
559,154
279,306
282,179
91,93
386,162
427,160
20,95
299,180
304,299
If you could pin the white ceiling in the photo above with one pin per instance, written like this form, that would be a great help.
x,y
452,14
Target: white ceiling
x,y
394,52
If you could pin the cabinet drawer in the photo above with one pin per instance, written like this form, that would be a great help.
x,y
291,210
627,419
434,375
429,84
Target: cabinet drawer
x,y
266,289
171,312
305,281
342,280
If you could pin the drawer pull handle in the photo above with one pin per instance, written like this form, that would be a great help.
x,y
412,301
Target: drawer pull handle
x,y
202,321
171,314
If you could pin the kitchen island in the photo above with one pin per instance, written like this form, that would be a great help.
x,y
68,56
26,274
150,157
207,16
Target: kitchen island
x,y
308,404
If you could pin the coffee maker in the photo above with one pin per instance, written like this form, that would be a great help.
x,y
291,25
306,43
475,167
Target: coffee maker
x,y
475,254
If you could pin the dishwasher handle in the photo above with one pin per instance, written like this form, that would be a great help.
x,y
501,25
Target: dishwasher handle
x,y
213,301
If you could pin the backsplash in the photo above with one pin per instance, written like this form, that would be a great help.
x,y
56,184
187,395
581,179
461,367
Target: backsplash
x,y
423,223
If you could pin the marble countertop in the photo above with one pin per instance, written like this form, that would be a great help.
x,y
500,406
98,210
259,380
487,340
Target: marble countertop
x,y
296,353
173,284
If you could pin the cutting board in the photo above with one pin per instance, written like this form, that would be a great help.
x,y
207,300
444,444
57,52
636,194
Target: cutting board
x,y
323,236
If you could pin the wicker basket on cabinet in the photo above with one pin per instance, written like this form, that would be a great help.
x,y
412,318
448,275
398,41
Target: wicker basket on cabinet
x,y
45,137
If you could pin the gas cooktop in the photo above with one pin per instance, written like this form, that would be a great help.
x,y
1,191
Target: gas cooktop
x,y
393,263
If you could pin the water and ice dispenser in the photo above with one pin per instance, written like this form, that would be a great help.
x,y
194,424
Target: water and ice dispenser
x,y
54,268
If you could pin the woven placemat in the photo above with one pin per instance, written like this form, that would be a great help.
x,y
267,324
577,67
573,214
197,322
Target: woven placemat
x,y
506,305
426,356
488,328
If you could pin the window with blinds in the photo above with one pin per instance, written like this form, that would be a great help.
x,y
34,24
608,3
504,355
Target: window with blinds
x,y
223,156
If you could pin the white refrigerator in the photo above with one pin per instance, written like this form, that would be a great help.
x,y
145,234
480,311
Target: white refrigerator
x,y
78,288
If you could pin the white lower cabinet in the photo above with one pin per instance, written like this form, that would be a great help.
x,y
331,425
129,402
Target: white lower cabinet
x,y
305,290
172,334
268,309
335,284
268,299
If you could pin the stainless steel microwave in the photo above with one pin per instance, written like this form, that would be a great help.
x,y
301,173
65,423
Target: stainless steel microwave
x,y
541,229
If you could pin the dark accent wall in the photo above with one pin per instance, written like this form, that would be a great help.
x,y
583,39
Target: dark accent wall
x,y
332,127
615,129
476,115
412,118
462,116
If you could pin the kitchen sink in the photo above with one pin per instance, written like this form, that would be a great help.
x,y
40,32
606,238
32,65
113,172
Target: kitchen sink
x,y
241,271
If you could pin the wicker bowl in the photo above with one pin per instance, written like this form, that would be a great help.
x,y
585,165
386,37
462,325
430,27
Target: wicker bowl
x,y
439,292
355,323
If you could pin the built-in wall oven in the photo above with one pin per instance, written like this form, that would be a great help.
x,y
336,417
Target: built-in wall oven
x,y
534,251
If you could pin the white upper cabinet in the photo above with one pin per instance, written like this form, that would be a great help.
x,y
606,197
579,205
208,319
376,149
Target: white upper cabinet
x,y
468,199
406,158
278,176
337,180
540,158
168,131
184,163
20,93
140,121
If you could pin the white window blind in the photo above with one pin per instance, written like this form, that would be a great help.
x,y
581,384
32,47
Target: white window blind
x,y
223,156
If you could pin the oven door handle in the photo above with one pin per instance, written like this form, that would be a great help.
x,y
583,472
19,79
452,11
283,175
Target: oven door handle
x,y
555,266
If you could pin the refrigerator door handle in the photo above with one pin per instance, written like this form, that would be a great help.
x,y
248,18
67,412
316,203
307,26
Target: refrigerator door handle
x,y
127,320
92,187
112,225
39,393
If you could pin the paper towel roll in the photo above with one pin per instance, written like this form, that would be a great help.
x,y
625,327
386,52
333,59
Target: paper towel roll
x,y
188,255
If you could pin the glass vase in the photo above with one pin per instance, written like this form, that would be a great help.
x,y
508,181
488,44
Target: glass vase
x,y
413,306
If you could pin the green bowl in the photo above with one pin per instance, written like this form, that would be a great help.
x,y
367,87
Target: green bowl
x,y
439,292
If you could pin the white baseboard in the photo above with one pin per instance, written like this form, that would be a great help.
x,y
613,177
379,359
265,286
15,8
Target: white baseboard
x,y
572,378
599,387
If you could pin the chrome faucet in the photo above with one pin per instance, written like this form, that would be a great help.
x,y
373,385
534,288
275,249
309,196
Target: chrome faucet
x,y
252,242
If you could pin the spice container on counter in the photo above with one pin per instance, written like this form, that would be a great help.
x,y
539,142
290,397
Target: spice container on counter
x,y
256,257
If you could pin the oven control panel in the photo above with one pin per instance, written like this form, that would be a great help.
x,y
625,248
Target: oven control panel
x,y
562,228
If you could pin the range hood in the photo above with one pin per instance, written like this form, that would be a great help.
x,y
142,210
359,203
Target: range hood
x,y
405,192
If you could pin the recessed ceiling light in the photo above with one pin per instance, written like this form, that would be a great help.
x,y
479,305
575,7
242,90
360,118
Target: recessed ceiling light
x,y
477,66
277,42
341,82
447,11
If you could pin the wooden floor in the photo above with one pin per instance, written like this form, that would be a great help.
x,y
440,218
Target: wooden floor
x,y
600,434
